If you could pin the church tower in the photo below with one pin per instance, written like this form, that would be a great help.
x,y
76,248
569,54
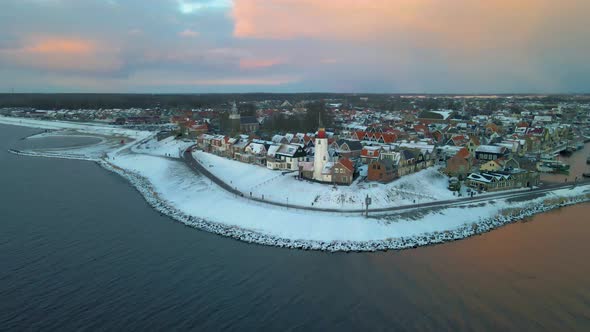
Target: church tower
x,y
321,153
235,119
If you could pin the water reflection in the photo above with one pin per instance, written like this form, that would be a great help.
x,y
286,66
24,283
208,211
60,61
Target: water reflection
x,y
578,166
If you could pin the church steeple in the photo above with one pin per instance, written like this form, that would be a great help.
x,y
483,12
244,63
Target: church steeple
x,y
234,114
234,119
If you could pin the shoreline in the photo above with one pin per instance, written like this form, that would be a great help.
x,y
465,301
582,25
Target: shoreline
x,y
146,189
382,230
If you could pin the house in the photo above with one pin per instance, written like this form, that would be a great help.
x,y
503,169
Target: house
x,y
239,146
348,148
407,162
254,153
369,153
218,145
490,152
343,171
285,157
488,181
491,166
460,164
502,180
204,142
382,170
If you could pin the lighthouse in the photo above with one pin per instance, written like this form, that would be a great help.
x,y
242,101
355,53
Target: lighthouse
x,y
321,153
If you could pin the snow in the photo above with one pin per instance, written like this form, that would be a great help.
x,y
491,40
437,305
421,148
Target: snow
x,y
174,189
168,147
445,114
78,126
424,186
196,196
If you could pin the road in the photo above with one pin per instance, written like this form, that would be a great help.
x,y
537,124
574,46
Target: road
x,y
193,164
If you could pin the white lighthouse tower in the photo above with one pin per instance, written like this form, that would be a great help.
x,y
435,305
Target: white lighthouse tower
x,y
321,153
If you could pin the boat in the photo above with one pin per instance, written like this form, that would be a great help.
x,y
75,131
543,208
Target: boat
x,y
588,160
567,151
586,175
552,166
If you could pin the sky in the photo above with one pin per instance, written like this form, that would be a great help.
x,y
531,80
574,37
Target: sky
x,y
364,46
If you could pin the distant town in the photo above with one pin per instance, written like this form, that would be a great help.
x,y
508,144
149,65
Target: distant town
x,y
485,143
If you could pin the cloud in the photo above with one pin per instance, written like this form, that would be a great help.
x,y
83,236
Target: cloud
x,y
259,63
63,54
452,23
230,81
314,45
190,7
188,33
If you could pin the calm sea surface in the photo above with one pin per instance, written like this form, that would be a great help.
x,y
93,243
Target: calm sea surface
x,y
81,249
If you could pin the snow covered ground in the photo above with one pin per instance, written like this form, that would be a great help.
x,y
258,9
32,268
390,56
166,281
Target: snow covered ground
x,y
197,196
168,147
112,140
424,186
79,126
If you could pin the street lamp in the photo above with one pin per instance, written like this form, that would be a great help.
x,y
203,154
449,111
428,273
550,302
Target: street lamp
x,y
367,203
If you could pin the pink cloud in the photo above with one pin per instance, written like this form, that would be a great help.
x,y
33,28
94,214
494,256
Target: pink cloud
x,y
259,63
464,24
62,53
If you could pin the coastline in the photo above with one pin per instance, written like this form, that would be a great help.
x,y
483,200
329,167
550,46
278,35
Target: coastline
x,y
147,190
429,228
143,186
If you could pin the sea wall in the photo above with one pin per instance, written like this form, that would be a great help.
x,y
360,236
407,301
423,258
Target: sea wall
x,y
505,216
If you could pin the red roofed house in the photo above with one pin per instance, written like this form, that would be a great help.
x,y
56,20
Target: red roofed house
x,y
460,164
369,153
343,171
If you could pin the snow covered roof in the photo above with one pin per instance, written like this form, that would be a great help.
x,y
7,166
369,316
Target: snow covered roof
x,y
490,149
288,150
306,165
328,168
257,148
488,177
272,150
445,114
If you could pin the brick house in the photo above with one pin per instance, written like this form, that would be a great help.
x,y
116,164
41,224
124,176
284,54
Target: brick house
x,y
382,170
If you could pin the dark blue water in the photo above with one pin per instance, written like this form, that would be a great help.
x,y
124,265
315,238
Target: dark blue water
x,y
80,249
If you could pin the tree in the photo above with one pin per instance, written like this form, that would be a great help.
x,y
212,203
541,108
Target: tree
x,y
247,109
315,111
